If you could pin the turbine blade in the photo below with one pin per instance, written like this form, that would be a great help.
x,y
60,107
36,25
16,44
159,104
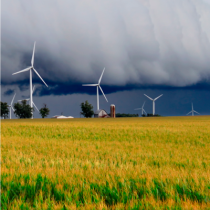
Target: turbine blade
x,y
157,97
148,97
143,105
138,109
189,112
22,70
33,89
90,85
99,81
196,112
24,99
144,111
12,109
39,76
103,93
32,59
13,99
35,106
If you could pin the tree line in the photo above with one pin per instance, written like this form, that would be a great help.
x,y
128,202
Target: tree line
x,y
151,115
126,115
23,110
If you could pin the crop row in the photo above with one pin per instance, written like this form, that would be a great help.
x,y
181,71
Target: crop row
x,y
42,188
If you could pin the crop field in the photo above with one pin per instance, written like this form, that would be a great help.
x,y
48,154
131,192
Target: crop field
x,y
128,163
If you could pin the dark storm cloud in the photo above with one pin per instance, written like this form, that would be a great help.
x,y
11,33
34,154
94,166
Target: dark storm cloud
x,y
65,89
8,92
142,44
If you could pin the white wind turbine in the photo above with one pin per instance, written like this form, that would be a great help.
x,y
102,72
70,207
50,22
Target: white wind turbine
x,y
11,108
142,109
98,86
153,102
193,111
30,69
29,99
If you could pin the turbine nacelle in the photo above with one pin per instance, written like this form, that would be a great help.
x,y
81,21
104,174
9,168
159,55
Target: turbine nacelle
x,y
153,101
193,111
11,107
30,69
142,108
98,86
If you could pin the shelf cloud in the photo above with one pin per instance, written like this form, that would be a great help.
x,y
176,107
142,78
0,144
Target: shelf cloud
x,y
140,42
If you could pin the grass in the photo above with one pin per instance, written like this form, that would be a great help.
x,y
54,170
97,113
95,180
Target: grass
x,y
126,163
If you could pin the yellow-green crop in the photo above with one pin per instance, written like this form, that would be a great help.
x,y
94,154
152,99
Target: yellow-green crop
x,y
129,163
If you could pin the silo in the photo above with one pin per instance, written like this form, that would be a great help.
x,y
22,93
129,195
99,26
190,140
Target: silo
x,y
112,110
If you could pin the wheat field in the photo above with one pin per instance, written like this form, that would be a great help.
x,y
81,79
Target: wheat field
x,y
128,163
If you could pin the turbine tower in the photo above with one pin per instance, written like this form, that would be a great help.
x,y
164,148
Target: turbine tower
x,y
153,102
142,109
30,69
29,99
98,86
192,111
11,108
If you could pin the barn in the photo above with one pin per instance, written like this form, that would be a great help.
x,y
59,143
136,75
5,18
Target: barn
x,y
101,114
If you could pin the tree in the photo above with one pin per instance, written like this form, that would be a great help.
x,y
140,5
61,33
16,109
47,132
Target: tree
x,y
87,109
44,112
151,115
4,109
126,115
23,110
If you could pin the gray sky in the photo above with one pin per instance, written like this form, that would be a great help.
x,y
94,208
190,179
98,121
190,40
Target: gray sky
x,y
147,46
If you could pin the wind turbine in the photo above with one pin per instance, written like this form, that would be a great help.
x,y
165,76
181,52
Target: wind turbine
x,y
193,111
153,102
30,69
142,109
29,99
11,108
98,86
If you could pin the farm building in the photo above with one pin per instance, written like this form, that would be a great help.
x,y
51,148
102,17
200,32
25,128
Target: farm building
x,y
61,117
101,114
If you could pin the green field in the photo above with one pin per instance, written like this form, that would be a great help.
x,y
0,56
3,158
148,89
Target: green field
x,y
126,163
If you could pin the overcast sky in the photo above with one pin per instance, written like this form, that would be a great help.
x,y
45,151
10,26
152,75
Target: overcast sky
x,y
146,46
